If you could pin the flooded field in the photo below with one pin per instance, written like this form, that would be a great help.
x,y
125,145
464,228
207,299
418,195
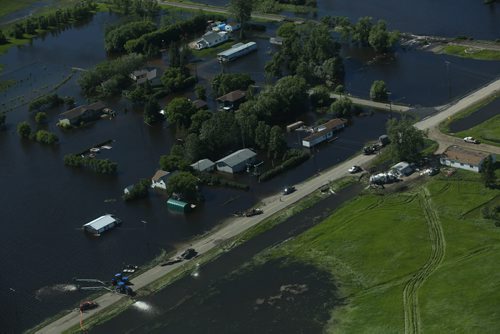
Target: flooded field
x,y
224,296
478,117
44,204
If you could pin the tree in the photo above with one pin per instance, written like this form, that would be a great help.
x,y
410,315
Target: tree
x,y
172,162
139,190
46,137
406,140
320,96
116,37
176,79
193,148
380,39
179,112
277,143
220,134
40,117
241,10
224,83
197,120
151,111
24,130
201,92
361,31
488,172
378,91
262,133
185,184
342,107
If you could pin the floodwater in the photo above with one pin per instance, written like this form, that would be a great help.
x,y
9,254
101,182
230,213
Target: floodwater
x,y
482,115
448,18
224,297
44,203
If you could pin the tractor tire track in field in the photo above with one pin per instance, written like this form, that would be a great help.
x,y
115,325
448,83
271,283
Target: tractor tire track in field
x,y
438,248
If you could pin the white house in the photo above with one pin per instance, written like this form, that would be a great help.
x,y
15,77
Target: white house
x,y
159,180
324,132
211,39
236,162
141,76
459,157
204,165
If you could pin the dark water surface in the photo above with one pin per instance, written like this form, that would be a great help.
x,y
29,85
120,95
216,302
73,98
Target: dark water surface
x,y
448,18
243,302
44,204
482,115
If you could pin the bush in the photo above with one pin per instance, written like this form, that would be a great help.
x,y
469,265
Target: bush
x,y
41,117
293,159
102,166
47,101
24,130
46,137
139,190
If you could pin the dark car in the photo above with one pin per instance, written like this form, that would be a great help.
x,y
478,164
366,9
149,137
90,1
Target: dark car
x,y
288,190
172,261
88,305
189,254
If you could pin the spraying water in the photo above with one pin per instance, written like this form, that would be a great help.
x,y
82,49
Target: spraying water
x,y
55,289
143,306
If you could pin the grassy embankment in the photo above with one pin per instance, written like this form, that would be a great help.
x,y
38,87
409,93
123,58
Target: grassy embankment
x,y
487,132
468,52
380,248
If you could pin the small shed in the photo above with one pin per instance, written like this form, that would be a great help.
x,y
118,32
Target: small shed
x,y
101,224
232,100
204,165
200,104
128,189
178,205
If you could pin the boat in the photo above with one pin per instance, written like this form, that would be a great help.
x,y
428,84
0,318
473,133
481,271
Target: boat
x,y
253,212
94,150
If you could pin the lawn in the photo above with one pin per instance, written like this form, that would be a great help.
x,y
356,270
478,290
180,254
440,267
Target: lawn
x,y
374,246
473,53
487,132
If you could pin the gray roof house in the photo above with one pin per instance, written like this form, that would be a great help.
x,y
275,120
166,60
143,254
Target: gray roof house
x,y
80,114
204,165
236,162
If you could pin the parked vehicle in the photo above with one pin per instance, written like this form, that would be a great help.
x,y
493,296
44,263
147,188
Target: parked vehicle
x,y
253,212
471,140
288,190
189,254
88,305
355,169
174,260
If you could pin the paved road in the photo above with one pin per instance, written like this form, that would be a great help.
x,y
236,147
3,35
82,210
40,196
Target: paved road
x,y
272,205
372,104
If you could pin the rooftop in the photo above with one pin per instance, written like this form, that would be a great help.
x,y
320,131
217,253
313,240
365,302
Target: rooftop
x,y
212,36
324,128
78,111
233,96
464,155
203,164
159,174
238,157
199,104
236,48
101,222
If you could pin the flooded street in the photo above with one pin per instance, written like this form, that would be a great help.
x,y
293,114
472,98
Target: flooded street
x,y
226,297
44,203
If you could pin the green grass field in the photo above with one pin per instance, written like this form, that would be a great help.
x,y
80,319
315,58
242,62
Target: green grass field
x,y
487,132
9,6
473,53
425,256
